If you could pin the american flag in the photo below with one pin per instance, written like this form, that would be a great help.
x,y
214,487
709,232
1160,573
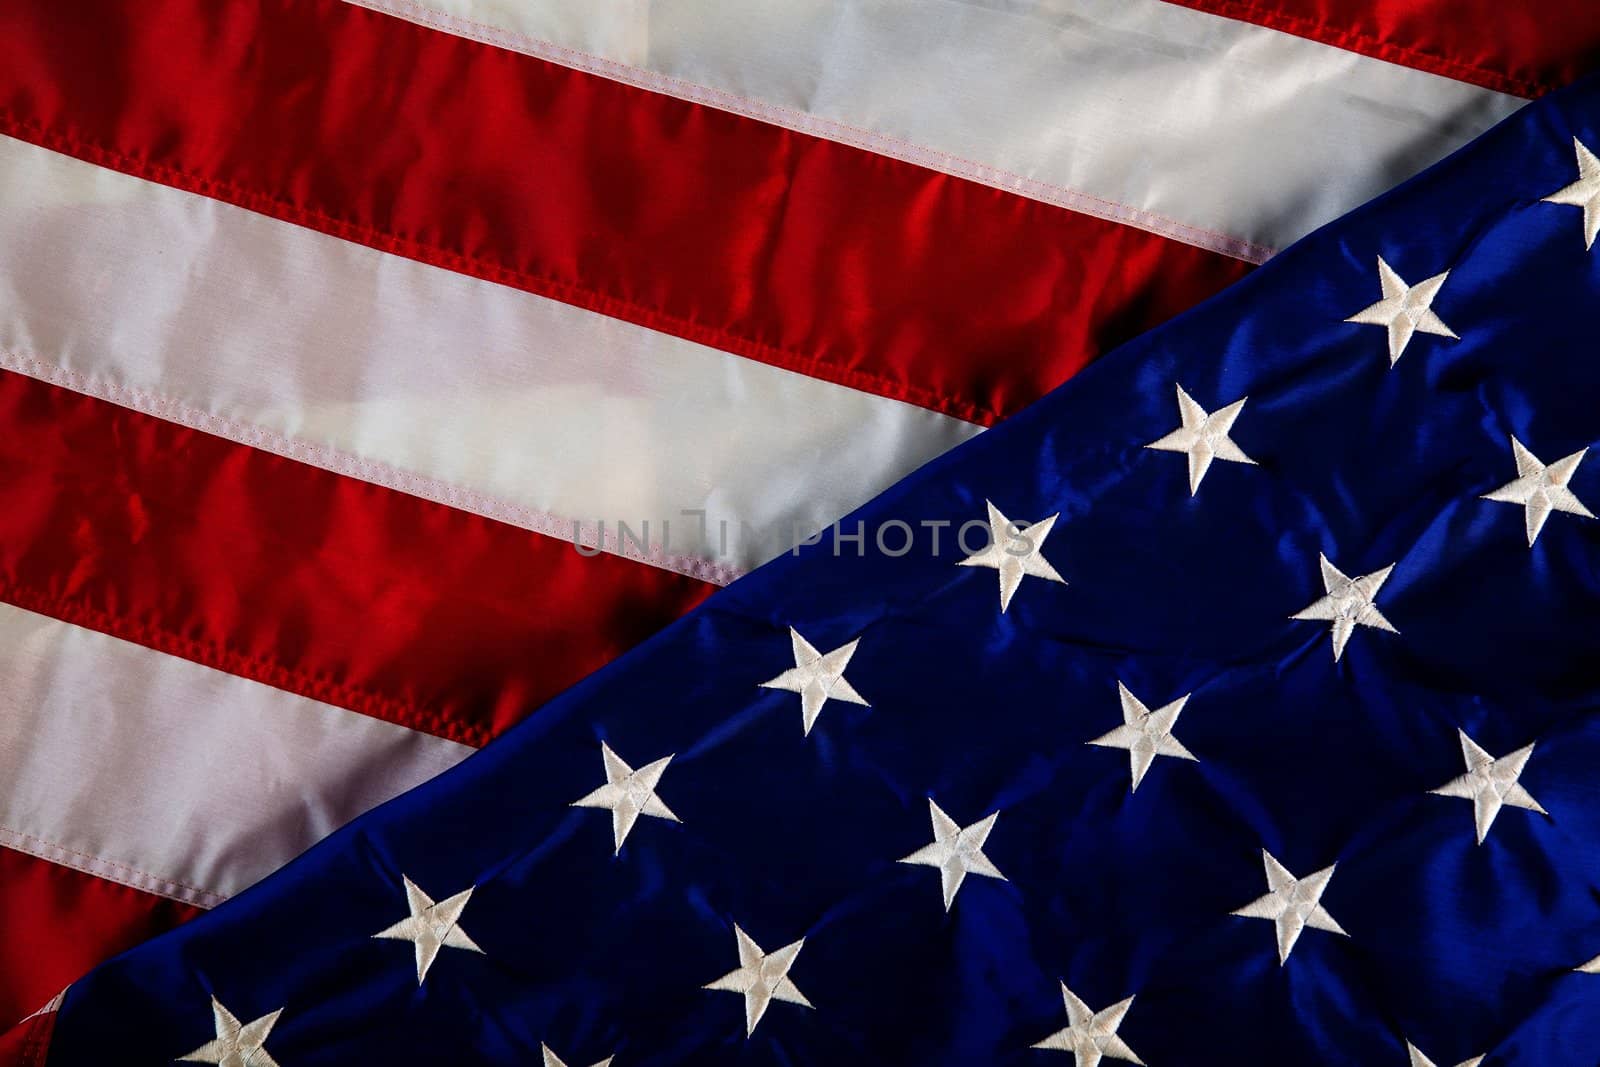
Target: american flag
x,y
1242,714
375,372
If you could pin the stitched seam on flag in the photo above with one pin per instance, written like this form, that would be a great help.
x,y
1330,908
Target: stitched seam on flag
x,y
40,1025
573,293
89,863
1367,44
828,129
367,470
218,656
49,1006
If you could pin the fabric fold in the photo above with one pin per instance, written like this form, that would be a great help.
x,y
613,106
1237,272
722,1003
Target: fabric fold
x,y
1184,735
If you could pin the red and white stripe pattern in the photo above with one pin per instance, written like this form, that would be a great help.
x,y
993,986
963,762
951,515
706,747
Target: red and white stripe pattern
x,y
322,324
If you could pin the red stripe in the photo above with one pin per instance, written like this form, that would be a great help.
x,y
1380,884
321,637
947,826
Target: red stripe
x,y
28,1043
57,923
327,586
801,252
1526,49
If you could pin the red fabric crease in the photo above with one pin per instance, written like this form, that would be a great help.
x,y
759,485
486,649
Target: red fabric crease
x,y
309,581
1525,49
778,246
56,923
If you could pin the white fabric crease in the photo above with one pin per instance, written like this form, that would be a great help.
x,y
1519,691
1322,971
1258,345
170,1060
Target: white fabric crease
x,y
483,396
156,772
1215,132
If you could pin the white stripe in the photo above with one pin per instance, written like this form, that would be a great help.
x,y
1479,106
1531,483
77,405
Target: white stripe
x,y
475,394
155,772
1220,133
54,1004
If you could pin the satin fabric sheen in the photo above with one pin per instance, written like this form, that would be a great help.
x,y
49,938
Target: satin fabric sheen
x,y
1132,110
346,592
170,777
1458,947
1527,49
43,898
804,253
478,395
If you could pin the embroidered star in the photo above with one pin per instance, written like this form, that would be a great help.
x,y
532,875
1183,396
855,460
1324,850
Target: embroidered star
x,y
1145,734
1541,488
552,1060
431,926
1293,904
236,1044
1350,602
1404,310
628,793
1419,1060
817,677
1490,783
1091,1035
762,977
1014,556
1584,193
1592,967
1203,436
956,851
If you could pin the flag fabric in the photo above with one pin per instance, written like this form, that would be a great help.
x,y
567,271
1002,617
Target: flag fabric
x,y
1259,731
330,331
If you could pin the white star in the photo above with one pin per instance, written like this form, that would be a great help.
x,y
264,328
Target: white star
x,y
1584,193
1014,555
1490,783
1541,488
1203,436
1419,1060
236,1044
762,977
1350,602
552,1060
1293,904
1592,967
431,926
1091,1035
1404,309
628,793
956,851
817,677
1145,734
